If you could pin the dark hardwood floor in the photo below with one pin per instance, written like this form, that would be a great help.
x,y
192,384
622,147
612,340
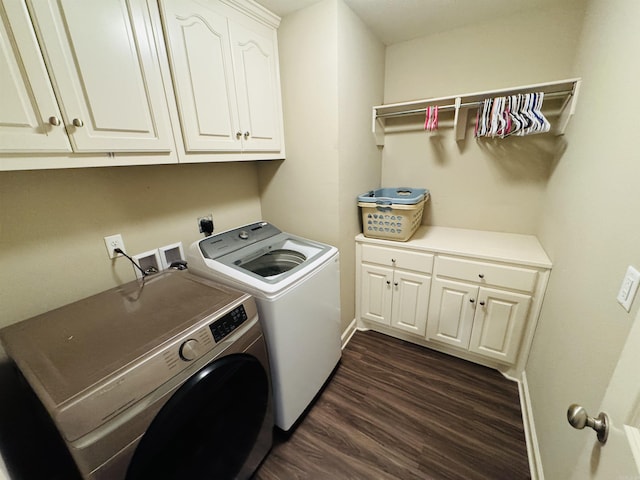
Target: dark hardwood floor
x,y
394,410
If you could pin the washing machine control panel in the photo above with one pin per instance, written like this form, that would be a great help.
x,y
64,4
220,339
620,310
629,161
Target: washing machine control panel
x,y
227,324
223,243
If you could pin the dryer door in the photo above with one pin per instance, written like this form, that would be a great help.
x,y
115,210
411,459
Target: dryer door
x,y
209,426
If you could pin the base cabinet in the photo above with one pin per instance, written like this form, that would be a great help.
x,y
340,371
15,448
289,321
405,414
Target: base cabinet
x,y
485,321
451,317
395,298
499,323
476,300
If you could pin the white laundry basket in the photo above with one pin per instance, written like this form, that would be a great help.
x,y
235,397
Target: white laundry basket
x,y
392,213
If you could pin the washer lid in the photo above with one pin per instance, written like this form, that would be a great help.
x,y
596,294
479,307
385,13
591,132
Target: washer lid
x,y
67,350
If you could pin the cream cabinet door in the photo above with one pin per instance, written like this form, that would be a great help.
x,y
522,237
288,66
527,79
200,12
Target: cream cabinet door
x,y
257,87
30,120
103,62
410,302
200,59
375,293
498,324
451,311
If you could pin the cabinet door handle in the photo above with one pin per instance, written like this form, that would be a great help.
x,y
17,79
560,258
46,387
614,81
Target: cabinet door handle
x,y
388,282
395,284
77,123
246,135
55,121
482,303
393,260
472,300
238,135
481,275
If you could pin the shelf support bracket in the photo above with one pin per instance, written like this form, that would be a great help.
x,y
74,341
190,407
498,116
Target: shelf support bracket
x,y
377,126
460,120
568,110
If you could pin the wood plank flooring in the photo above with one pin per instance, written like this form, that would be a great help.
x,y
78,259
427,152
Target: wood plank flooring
x,y
394,410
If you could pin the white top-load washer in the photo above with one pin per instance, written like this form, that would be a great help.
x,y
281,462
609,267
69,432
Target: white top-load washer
x,y
296,284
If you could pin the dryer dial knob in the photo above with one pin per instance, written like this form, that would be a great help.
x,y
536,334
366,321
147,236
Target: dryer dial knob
x,y
243,235
190,350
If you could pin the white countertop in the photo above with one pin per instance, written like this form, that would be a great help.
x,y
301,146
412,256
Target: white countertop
x,y
498,246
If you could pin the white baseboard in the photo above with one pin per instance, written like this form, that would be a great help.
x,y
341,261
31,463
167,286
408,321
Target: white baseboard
x,y
533,451
348,333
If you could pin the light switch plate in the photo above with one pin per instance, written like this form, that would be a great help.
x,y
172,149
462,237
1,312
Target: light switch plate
x,y
628,288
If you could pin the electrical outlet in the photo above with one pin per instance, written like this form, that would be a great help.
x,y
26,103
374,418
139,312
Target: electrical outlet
x,y
205,224
112,242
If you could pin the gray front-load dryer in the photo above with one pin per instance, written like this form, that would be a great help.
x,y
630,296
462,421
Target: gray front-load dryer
x,y
166,378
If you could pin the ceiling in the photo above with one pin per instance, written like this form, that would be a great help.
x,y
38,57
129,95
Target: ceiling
x,y
394,21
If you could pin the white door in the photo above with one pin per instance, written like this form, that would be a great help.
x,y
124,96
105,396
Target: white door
x,y
200,58
410,302
104,65
498,323
30,120
619,457
451,311
257,87
375,294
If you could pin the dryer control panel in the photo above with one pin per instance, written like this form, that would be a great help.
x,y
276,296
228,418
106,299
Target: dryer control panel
x,y
227,324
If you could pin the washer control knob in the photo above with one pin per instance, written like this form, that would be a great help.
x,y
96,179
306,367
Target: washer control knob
x,y
190,350
243,235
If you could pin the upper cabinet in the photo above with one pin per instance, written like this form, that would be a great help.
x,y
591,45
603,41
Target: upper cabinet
x,y
258,88
104,66
224,65
29,117
94,84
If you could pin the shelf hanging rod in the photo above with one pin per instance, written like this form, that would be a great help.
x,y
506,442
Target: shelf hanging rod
x,y
441,108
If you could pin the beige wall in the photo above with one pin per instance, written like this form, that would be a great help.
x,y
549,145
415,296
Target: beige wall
x,y
591,231
332,71
360,86
299,194
484,184
53,222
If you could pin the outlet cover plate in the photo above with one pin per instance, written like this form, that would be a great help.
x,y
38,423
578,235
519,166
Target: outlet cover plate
x,y
147,260
170,253
112,242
